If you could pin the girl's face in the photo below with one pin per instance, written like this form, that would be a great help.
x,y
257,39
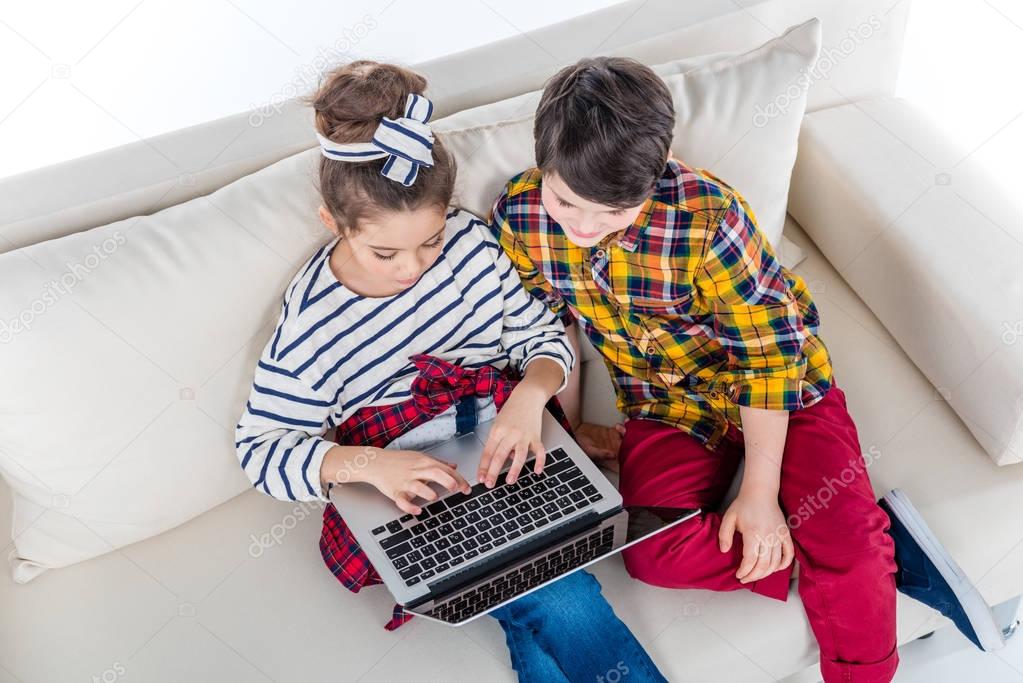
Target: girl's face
x,y
389,252
585,223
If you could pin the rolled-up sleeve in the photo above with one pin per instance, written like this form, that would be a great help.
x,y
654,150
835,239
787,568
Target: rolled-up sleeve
x,y
531,329
532,279
279,438
755,315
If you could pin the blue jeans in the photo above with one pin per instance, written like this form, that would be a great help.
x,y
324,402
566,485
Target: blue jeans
x,y
567,632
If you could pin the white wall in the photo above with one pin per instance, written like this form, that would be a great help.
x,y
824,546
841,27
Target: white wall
x,y
81,77
963,61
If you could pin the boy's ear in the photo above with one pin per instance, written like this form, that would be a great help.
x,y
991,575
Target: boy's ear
x,y
328,220
671,155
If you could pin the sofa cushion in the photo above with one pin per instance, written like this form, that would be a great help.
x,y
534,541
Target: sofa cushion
x,y
736,114
931,244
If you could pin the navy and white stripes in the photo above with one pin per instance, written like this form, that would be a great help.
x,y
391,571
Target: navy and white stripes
x,y
407,142
334,352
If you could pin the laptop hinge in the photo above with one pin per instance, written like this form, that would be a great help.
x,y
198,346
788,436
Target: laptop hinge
x,y
504,559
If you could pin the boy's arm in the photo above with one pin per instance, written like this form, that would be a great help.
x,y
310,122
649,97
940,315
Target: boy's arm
x,y
569,398
530,300
758,323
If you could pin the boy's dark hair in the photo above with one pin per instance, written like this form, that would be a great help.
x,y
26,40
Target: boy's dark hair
x,y
349,105
604,125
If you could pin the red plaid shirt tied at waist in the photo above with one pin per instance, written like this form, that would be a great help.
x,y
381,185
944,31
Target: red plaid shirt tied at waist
x,y
438,386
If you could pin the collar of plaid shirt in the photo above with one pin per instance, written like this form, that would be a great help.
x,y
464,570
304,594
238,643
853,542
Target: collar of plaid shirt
x,y
689,306
438,386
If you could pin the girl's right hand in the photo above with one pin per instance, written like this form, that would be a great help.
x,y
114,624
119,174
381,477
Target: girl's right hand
x,y
404,476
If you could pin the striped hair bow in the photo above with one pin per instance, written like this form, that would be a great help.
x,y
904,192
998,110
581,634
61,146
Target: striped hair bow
x,y
406,142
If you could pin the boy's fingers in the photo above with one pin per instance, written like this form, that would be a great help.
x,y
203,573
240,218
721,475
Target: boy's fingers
x,y
765,557
788,552
749,559
726,533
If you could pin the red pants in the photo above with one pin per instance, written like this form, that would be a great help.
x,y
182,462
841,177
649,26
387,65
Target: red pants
x,y
847,565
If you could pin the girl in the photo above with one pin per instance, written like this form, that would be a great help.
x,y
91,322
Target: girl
x,y
409,326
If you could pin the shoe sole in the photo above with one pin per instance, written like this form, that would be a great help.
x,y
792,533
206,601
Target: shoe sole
x,y
989,633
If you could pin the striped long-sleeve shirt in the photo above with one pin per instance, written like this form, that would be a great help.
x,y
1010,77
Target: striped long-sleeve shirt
x,y
334,351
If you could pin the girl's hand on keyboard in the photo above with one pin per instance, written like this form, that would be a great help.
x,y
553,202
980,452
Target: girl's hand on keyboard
x,y
516,431
404,476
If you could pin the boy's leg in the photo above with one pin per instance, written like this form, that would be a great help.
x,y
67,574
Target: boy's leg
x,y
847,565
661,465
567,631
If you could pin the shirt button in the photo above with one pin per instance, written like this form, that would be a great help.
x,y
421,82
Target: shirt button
x,y
600,253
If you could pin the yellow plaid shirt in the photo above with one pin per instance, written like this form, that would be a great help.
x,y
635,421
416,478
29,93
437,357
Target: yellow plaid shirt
x,y
689,307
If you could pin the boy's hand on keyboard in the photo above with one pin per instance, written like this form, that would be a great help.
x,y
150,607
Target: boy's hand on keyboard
x,y
516,431
404,476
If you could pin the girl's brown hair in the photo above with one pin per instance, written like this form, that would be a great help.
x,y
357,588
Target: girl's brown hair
x,y
349,105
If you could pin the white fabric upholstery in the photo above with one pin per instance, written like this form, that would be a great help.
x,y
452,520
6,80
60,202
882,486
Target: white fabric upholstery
x,y
932,246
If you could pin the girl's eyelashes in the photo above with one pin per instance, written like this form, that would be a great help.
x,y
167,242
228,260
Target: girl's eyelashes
x,y
382,257
563,203
436,243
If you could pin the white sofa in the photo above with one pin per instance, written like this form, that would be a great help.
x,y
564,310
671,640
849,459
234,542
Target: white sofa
x,y
209,601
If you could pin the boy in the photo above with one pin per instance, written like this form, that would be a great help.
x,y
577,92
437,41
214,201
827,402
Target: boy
x,y
713,350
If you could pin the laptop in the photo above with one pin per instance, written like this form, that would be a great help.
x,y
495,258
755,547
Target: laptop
x,y
465,555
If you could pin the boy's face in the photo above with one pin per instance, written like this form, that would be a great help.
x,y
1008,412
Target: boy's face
x,y
585,223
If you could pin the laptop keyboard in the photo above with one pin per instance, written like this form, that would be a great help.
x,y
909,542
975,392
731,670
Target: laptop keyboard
x,y
521,579
462,526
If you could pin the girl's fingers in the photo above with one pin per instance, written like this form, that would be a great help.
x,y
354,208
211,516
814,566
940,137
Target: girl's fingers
x,y
500,454
541,457
518,460
418,489
487,455
406,505
452,478
440,475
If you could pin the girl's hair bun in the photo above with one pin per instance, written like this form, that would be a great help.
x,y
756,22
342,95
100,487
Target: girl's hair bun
x,y
349,105
352,100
